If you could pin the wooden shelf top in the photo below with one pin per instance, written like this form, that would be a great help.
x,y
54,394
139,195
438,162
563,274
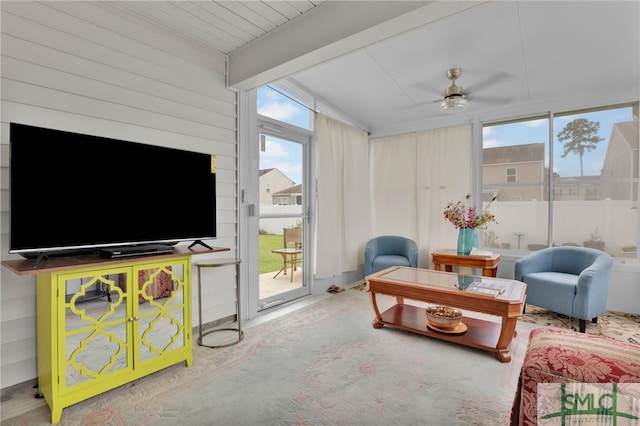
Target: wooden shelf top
x,y
32,267
453,254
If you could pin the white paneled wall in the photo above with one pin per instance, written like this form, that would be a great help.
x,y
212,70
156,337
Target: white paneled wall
x,y
80,67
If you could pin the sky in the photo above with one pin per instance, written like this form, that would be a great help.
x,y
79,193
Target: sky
x,y
287,156
281,154
536,131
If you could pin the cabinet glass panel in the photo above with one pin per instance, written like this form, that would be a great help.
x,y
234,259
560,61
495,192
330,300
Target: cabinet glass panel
x,y
161,308
95,326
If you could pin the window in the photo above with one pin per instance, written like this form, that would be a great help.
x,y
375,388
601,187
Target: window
x,y
596,159
281,104
590,168
280,200
507,147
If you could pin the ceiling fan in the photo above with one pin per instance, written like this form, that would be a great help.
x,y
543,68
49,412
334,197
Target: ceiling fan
x,y
454,98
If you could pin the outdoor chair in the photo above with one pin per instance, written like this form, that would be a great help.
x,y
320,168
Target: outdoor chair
x,y
291,250
573,281
292,237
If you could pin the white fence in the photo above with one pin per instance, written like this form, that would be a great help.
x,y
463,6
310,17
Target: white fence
x,y
274,225
574,222
521,223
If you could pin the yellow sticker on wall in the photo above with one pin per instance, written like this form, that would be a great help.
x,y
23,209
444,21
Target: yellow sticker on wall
x,y
213,163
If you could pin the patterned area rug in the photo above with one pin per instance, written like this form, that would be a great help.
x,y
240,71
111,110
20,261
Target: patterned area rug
x,y
618,325
321,364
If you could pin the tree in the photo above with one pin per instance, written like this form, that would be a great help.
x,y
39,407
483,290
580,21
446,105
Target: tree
x,y
582,136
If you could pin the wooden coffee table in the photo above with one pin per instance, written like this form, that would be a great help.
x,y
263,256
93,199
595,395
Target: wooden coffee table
x,y
449,289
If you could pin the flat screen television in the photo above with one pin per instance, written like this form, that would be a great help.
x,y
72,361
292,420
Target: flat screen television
x,y
72,192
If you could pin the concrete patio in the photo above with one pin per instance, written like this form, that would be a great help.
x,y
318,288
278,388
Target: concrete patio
x,y
270,286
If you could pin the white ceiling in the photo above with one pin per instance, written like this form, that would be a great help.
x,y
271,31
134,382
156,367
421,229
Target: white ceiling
x,y
512,54
217,26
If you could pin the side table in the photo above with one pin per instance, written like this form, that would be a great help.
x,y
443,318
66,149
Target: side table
x,y
290,256
448,258
215,264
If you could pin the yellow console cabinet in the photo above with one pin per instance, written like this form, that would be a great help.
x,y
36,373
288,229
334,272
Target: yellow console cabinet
x,y
88,345
105,322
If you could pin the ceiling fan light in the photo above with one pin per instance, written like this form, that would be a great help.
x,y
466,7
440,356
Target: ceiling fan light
x,y
454,104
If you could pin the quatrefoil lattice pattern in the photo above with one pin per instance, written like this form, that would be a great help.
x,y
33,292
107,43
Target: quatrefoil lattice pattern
x,y
99,323
162,321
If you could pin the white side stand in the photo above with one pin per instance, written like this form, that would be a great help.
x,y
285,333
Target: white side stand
x,y
215,264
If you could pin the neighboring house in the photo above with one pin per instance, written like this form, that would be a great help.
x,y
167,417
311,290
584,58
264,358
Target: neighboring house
x,y
621,161
525,163
511,164
289,196
573,188
272,181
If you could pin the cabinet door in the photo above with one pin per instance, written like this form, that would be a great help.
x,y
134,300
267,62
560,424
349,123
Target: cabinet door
x,y
95,327
162,313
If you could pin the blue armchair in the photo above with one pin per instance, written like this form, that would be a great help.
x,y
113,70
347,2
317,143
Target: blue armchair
x,y
572,281
389,250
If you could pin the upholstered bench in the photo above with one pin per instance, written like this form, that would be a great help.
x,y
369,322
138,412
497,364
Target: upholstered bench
x,y
565,356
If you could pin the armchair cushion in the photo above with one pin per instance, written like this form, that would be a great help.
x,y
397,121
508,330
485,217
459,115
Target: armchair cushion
x,y
557,287
389,250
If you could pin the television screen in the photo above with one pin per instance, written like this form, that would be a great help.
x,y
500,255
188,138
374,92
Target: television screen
x,y
74,191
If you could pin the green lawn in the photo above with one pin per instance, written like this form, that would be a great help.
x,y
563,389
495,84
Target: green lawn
x,y
270,262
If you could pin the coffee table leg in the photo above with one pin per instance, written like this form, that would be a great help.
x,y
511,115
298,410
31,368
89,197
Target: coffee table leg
x,y
507,332
377,321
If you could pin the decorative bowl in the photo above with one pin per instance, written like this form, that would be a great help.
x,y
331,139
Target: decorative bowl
x,y
443,317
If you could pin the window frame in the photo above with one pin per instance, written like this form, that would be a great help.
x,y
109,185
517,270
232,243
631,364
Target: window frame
x,y
583,187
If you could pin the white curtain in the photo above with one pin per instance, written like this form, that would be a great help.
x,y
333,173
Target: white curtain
x,y
413,177
342,223
393,185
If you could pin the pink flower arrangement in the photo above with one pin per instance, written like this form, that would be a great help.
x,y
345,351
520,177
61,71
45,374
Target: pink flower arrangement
x,y
463,216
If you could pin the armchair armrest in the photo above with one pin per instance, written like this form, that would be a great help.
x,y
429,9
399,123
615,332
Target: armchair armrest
x,y
370,252
593,288
598,273
412,253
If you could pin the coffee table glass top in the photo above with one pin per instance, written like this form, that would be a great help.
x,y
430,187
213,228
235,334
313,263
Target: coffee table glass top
x,y
445,280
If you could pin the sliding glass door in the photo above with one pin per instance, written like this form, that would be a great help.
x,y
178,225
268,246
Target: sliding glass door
x,y
282,215
276,201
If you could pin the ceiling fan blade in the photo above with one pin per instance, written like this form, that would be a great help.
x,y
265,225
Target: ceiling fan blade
x,y
496,78
491,99
424,87
420,104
